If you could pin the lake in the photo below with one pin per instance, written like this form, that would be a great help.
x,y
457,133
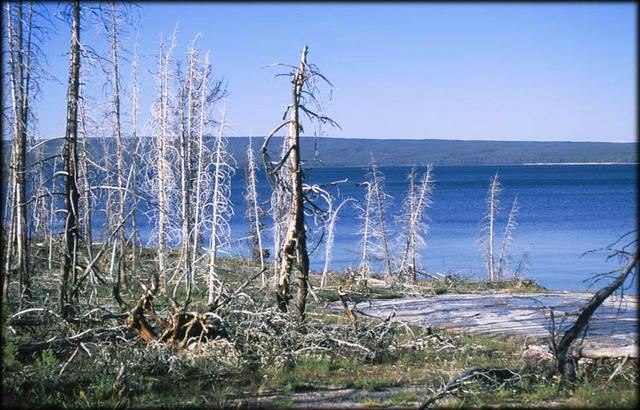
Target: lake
x,y
565,210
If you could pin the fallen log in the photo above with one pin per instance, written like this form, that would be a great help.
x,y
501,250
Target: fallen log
x,y
612,352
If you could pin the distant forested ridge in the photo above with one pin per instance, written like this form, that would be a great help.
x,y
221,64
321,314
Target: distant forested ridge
x,y
344,152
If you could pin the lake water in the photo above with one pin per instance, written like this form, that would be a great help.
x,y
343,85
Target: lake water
x,y
565,210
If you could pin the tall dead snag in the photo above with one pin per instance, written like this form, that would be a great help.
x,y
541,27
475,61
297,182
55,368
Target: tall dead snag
x,y
135,159
67,295
200,167
330,234
493,207
21,67
413,219
507,241
185,119
254,212
365,230
163,173
379,202
281,202
119,244
84,183
565,363
292,252
220,205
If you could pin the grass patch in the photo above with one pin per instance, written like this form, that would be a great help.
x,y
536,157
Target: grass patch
x,y
155,377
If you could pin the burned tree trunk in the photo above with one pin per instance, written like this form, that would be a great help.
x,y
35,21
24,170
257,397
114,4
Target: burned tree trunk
x,y
70,154
119,243
20,62
294,246
254,213
287,178
489,224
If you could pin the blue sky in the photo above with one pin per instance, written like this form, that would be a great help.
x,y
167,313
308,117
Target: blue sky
x,y
449,71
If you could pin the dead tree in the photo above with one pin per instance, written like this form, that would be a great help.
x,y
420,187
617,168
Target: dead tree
x,y
380,201
21,65
281,202
292,252
206,92
507,240
185,121
200,167
163,177
416,202
70,155
365,230
254,212
86,202
119,244
135,159
566,365
330,234
493,207
221,209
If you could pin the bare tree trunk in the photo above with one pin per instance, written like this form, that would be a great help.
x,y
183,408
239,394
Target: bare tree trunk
x,y
162,164
366,232
220,205
119,243
333,217
411,229
493,206
70,163
135,158
507,239
10,237
20,76
287,178
295,241
199,169
52,214
86,184
566,366
378,197
185,171
254,211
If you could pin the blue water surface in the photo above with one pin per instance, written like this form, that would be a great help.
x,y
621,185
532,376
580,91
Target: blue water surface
x,y
565,210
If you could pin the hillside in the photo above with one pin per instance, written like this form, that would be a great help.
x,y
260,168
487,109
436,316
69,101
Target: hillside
x,y
338,152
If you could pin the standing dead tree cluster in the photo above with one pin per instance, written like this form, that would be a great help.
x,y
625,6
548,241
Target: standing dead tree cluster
x,y
24,32
184,180
286,176
410,226
497,269
188,181
254,211
413,219
375,243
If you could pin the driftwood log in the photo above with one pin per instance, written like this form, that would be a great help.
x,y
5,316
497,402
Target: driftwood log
x,y
589,352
